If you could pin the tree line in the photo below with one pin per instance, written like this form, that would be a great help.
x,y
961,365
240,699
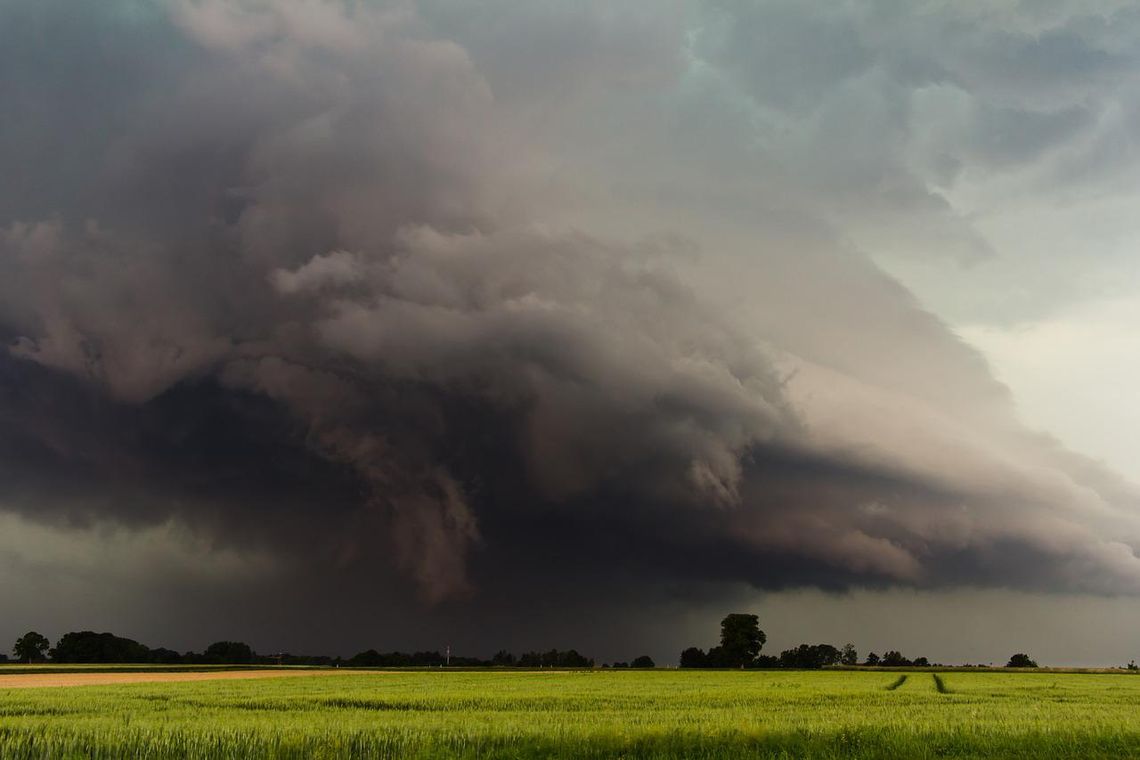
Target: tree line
x,y
90,647
741,642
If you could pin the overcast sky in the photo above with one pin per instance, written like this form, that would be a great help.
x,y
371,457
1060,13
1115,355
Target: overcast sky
x,y
334,325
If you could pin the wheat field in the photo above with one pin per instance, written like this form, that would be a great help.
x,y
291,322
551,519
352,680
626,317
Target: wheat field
x,y
574,714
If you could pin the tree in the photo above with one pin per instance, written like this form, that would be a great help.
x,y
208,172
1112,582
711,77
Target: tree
x,y
369,658
741,639
503,658
848,655
717,658
229,652
571,659
644,661
165,656
88,646
872,659
894,659
31,646
810,656
694,658
1021,660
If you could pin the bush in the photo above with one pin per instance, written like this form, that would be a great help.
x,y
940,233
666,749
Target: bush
x,y
1021,660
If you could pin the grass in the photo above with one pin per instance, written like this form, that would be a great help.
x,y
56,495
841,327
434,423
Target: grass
x,y
573,714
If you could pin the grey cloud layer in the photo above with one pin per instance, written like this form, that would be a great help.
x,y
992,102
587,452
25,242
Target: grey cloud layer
x,y
362,286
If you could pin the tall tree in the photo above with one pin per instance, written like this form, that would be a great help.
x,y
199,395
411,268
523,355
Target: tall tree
x,y
31,646
741,639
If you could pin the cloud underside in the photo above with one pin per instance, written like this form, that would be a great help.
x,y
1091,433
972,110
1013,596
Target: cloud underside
x,y
367,287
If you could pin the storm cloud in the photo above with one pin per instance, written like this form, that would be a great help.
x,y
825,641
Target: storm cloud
x,y
449,307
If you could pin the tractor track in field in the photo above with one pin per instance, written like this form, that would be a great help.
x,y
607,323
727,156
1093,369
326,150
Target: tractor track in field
x,y
939,684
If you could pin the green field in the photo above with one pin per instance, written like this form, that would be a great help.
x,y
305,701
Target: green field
x,y
652,714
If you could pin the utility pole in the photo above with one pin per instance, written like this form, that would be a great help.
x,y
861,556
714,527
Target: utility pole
x,y
448,659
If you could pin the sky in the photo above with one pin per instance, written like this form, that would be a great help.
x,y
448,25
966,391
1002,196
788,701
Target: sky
x,y
335,325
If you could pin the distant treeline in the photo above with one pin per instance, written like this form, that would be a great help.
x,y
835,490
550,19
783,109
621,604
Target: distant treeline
x,y
90,647
79,647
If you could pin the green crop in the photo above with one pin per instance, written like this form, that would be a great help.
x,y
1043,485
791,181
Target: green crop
x,y
576,714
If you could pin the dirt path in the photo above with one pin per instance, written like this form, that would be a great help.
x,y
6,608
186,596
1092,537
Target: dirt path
x,y
38,680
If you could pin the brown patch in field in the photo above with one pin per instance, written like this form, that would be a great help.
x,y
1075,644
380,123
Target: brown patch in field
x,y
39,680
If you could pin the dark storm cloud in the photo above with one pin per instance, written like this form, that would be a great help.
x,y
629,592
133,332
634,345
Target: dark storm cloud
x,y
295,275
